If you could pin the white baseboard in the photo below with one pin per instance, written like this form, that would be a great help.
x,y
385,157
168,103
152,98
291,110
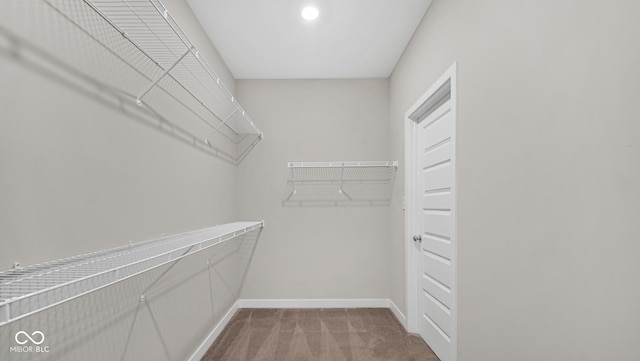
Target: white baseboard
x,y
314,303
204,346
399,315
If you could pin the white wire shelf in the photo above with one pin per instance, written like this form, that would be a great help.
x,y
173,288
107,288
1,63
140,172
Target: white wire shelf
x,y
137,48
340,183
28,290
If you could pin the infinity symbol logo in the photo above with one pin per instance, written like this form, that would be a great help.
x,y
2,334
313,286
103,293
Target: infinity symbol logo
x,y
29,337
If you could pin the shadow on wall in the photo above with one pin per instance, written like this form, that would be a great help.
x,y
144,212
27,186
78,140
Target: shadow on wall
x,y
74,45
161,314
42,63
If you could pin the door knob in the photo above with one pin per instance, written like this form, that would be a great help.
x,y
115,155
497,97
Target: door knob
x,y
417,238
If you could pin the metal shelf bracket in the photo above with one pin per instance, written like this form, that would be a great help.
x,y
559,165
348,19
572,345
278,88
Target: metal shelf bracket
x,y
356,183
157,80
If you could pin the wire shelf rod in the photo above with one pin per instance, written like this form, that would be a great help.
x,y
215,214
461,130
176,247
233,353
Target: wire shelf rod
x,y
31,292
317,181
364,164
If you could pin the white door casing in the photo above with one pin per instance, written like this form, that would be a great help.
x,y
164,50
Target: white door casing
x,y
430,219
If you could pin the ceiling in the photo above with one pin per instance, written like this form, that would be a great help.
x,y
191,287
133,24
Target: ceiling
x,y
268,39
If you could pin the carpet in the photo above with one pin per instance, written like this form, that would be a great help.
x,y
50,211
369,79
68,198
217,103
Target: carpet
x,y
361,334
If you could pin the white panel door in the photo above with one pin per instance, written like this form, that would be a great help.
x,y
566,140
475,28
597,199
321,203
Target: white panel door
x,y
435,221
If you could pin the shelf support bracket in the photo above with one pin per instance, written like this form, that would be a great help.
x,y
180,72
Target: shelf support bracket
x,y
155,82
341,191
143,294
293,180
227,118
222,124
5,314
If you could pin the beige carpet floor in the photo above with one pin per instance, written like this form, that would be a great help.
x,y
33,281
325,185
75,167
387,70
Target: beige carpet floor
x,y
362,334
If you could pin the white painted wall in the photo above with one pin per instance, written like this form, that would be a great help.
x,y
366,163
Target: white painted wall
x,y
79,176
314,252
548,172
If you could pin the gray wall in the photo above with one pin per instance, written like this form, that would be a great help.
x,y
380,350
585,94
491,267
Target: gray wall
x,y
548,173
314,252
78,175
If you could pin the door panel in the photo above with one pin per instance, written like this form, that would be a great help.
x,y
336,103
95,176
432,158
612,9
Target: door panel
x,y
438,312
438,341
437,199
438,268
437,245
437,155
436,289
438,125
439,223
437,177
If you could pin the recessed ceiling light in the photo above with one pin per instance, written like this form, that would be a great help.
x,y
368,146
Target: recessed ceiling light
x,y
310,13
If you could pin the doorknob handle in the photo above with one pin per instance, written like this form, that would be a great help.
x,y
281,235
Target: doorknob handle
x,y
417,238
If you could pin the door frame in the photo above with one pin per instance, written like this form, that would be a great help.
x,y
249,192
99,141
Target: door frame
x,y
429,100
